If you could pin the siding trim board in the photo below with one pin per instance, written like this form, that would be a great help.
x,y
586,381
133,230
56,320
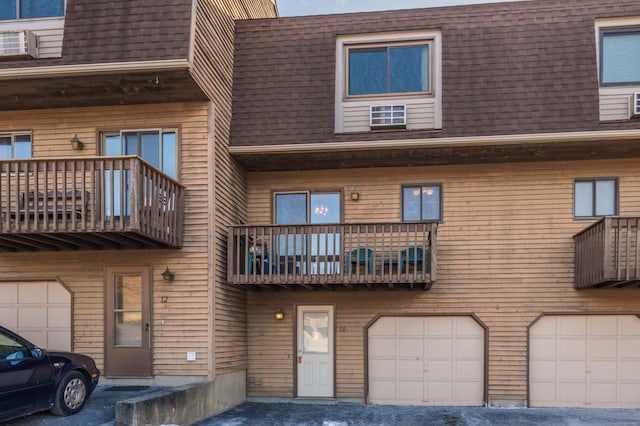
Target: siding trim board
x,y
93,69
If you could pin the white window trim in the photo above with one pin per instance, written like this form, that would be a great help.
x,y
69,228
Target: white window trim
x,y
435,39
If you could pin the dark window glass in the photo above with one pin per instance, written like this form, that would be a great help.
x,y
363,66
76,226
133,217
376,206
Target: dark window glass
x,y
620,57
595,198
421,203
367,72
8,9
41,8
395,69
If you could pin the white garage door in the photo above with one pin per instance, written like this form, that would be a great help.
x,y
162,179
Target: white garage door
x,y
426,360
38,311
585,361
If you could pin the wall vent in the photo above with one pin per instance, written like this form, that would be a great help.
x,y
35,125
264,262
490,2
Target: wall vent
x,y
18,44
635,107
388,116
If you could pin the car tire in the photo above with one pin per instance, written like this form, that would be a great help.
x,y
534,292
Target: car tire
x,y
71,394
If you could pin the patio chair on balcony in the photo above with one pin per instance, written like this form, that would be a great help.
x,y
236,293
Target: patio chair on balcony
x,y
360,256
258,256
413,257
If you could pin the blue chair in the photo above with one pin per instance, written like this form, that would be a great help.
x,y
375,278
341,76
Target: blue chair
x,y
359,256
413,256
258,255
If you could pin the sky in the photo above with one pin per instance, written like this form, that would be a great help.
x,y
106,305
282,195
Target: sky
x,y
319,7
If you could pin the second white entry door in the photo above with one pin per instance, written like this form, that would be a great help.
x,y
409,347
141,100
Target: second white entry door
x,y
315,351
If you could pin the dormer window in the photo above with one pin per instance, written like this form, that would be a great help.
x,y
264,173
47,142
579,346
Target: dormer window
x,y
30,9
401,68
620,57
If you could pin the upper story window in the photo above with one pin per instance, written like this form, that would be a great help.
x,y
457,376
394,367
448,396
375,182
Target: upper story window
x,y
620,56
422,202
15,145
28,9
595,197
158,147
388,81
401,68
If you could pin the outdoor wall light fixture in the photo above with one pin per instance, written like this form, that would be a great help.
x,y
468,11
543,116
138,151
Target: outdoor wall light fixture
x,y
76,144
355,195
279,314
167,275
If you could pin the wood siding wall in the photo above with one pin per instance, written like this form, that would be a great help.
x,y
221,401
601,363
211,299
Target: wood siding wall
x,y
213,69
505,253
180,324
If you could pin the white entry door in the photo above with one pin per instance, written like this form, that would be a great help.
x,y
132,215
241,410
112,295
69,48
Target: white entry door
x,y
315,354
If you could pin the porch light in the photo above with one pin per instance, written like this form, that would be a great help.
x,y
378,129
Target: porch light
x,y
355,195
76,144
279,314
167,275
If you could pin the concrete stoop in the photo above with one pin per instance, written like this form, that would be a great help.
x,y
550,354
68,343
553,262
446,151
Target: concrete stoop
x,y
183,405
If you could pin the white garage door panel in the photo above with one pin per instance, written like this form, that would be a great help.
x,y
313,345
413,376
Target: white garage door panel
x,y
585,361
426,361
39,311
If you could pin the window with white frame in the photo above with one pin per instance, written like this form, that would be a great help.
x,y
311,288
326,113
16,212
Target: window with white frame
x,y
422,202
15,145
387,69
595,197
29,9
620,56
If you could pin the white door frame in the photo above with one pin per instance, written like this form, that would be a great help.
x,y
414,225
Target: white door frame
x,y
315,361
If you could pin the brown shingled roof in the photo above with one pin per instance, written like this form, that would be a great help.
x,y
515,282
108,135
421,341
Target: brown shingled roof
x,y
508,68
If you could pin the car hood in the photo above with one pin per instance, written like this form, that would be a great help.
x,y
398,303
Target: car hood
x,y
62,358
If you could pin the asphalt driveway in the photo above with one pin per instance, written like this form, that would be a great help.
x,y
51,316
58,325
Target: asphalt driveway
x,y
100,411
290,414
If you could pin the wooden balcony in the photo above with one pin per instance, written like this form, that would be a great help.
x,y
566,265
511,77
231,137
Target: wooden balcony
x,y
351,256
88,203
608,254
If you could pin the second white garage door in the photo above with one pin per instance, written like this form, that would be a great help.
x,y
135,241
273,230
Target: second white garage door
x,y
585,361
426,360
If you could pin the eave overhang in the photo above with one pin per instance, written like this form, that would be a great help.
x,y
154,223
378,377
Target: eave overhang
x,y
588,145
122,83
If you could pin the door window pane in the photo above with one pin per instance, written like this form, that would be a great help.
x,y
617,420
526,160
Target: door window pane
x,y
316,332
5,147
620,57
170,154
128,310
291,209
22,146
150,148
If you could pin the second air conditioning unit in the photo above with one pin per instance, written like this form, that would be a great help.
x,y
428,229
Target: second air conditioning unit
x,y
18,44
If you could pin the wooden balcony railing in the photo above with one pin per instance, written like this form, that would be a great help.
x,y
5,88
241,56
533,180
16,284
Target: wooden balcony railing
x,y
608,254
350,256
88,203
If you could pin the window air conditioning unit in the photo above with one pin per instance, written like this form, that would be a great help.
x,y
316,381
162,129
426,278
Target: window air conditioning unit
x,y
18,44
388,116
635,107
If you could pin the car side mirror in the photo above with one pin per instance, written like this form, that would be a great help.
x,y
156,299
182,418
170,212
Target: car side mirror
x,y
36,353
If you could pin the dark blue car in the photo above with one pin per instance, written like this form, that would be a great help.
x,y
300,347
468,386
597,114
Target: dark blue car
x,y
33,379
